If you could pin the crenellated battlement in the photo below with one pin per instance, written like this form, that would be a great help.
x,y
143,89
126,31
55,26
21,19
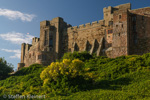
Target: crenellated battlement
x,y
35,40
87,25
45,23
107,9
28,46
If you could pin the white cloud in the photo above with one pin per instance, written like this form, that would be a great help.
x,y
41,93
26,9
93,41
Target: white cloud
x,y
16,37
13,15
16,55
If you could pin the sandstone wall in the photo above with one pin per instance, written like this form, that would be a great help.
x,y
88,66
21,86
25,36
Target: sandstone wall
x,y
120,33
139,31
79,36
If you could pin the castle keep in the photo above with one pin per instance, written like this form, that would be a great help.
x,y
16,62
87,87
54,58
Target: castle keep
x,y
122,32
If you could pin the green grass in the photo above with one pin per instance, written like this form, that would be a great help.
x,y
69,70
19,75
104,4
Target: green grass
x,y
122,78
133,86
22,81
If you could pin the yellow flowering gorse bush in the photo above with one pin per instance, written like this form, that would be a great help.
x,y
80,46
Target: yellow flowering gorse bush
x,y
57,69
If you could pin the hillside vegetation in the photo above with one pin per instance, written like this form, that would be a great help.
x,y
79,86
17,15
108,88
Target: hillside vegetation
x,y
83,76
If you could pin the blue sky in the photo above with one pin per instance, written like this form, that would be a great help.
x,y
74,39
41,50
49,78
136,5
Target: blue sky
x,y
20,19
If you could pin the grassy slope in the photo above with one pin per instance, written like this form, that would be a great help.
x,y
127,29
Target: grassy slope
x,y
138,88
22,81
123,78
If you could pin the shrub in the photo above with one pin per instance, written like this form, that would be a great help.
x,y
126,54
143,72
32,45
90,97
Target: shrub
x,y
34,68
65,76
77,55
66,68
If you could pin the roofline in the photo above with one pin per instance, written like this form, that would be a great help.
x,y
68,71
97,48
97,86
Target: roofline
x,y
140,8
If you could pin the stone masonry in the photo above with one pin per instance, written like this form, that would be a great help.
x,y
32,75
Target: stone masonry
x,y
122,32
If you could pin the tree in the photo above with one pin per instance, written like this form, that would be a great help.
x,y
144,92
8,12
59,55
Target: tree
x,y
5,68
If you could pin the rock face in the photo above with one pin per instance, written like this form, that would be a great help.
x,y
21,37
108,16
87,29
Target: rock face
x,y
122,32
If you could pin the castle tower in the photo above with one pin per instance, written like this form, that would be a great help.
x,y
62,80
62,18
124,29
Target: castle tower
x,y
120,43
60,26
51,33
23,45
22,64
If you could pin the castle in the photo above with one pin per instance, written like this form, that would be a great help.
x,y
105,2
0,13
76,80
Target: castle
x,y
122,32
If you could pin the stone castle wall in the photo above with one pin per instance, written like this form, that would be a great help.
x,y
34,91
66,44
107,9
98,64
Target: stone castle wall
x,y
139,31
82,34
122,32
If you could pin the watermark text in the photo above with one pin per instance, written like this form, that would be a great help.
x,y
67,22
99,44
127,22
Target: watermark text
x,y
29,96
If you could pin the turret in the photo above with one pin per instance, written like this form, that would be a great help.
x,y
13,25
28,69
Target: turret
x,y
23,51
108,16
23,45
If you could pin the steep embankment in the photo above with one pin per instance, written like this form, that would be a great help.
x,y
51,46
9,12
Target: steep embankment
x,y
100,78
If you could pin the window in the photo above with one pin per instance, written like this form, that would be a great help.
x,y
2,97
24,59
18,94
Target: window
x,y
39,56
51,28
51,41
46,41
116,25
50,49
142,17
122,25
134,28
109,45
134,18
135,38
110,23
43,57
110,31
120,16
119,34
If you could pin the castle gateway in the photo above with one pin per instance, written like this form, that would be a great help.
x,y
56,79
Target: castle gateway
x,y
122,32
